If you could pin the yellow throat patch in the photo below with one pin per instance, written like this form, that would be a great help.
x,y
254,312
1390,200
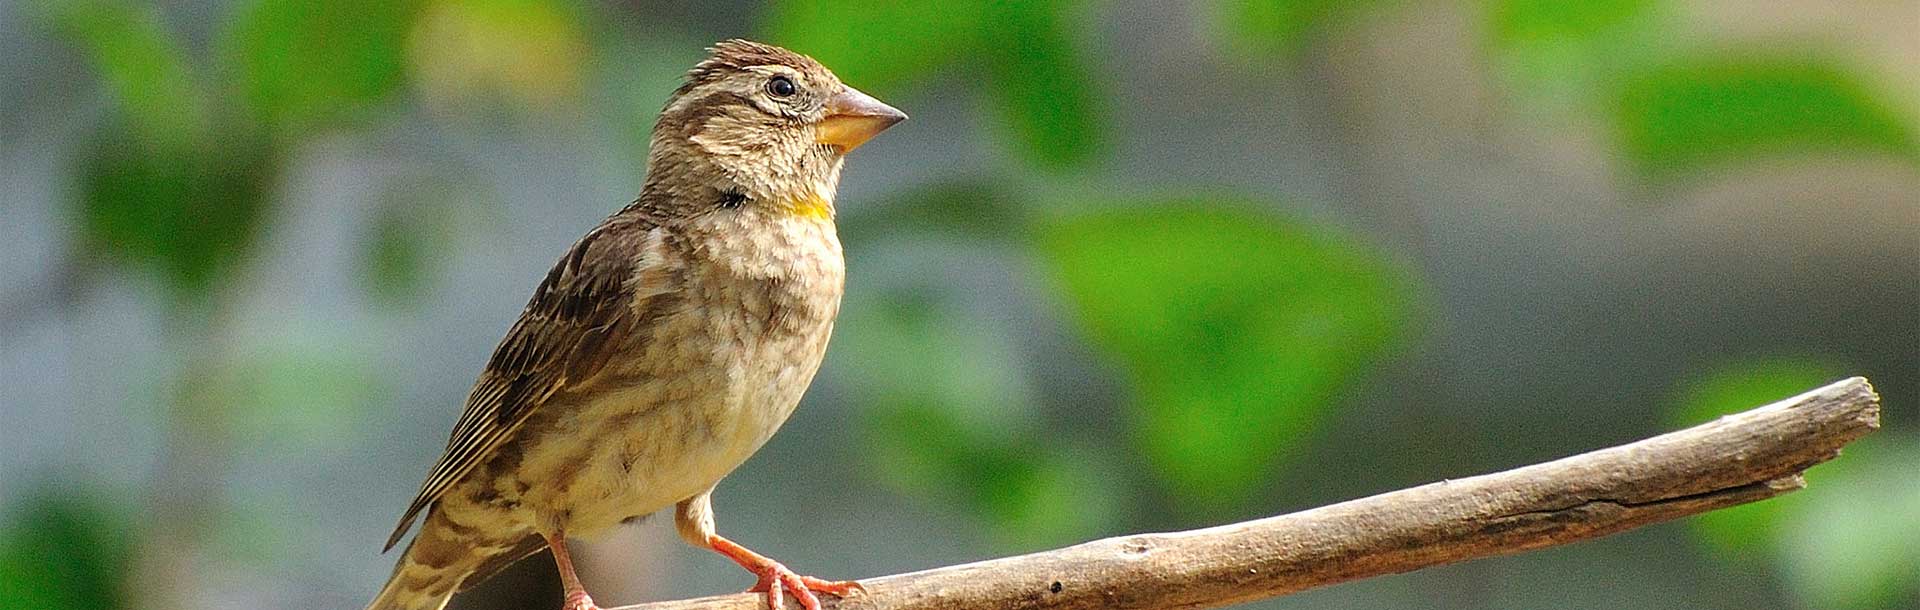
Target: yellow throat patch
x,y
812,206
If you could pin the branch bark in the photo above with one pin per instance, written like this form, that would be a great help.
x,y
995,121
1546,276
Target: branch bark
x,y
1737,459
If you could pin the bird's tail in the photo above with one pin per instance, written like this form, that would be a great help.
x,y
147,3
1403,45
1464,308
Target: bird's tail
x,y
436,564
401,594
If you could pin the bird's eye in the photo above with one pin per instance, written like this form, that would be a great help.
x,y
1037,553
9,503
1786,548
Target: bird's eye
x,y
781,86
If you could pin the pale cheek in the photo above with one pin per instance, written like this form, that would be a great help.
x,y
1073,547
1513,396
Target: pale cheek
x,y
780,163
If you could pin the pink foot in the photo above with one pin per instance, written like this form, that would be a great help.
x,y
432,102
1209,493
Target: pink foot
x,y
579,601
802,587
776,580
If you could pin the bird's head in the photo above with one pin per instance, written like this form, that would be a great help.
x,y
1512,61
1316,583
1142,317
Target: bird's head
x,y
763,124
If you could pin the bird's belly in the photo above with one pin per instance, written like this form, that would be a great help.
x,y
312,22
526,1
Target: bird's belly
x,y
661,441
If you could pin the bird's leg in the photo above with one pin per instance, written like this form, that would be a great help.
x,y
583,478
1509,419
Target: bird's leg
x,y
694,519
569,581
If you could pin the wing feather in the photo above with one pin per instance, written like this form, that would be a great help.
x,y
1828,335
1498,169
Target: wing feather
x,y
586,307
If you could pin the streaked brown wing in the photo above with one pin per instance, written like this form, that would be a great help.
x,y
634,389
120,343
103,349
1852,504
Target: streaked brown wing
x,y
585,308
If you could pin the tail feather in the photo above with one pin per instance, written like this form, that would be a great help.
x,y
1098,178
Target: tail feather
x,y
435,565
399,594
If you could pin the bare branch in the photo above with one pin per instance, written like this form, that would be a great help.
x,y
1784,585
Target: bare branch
x,y
1738,459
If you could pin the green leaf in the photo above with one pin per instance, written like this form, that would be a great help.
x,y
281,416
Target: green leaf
x,y
1747,531
1038,80
63,551
1237,328
305,65
1045,94
189,214
163,186
1697,115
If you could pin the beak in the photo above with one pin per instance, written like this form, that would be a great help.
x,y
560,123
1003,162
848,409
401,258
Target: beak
x,y
852,118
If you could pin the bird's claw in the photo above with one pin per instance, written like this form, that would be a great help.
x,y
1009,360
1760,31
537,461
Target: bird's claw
x,y
802,587
579,601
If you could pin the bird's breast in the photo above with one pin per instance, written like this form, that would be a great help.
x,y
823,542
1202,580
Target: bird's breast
x,y
703,388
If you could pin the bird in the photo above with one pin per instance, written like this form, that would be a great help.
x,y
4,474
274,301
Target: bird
x,y
664,347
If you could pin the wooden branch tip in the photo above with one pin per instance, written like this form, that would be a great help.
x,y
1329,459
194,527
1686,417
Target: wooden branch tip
x,y
1740,458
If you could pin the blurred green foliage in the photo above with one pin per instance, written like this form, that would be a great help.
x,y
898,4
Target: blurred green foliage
x,y
1033,490
523,57
1561,55
881,46
417,220
160,96
1676,112
395,261
997,213
166,184
302,65
1563,22
1264,28
60,549
191,213
1849,543
1236,327
1699,114
1737,534
1848,540
303,390
1038,78
952,416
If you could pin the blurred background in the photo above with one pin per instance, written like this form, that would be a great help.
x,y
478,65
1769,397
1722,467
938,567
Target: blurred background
x,y
1132,266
